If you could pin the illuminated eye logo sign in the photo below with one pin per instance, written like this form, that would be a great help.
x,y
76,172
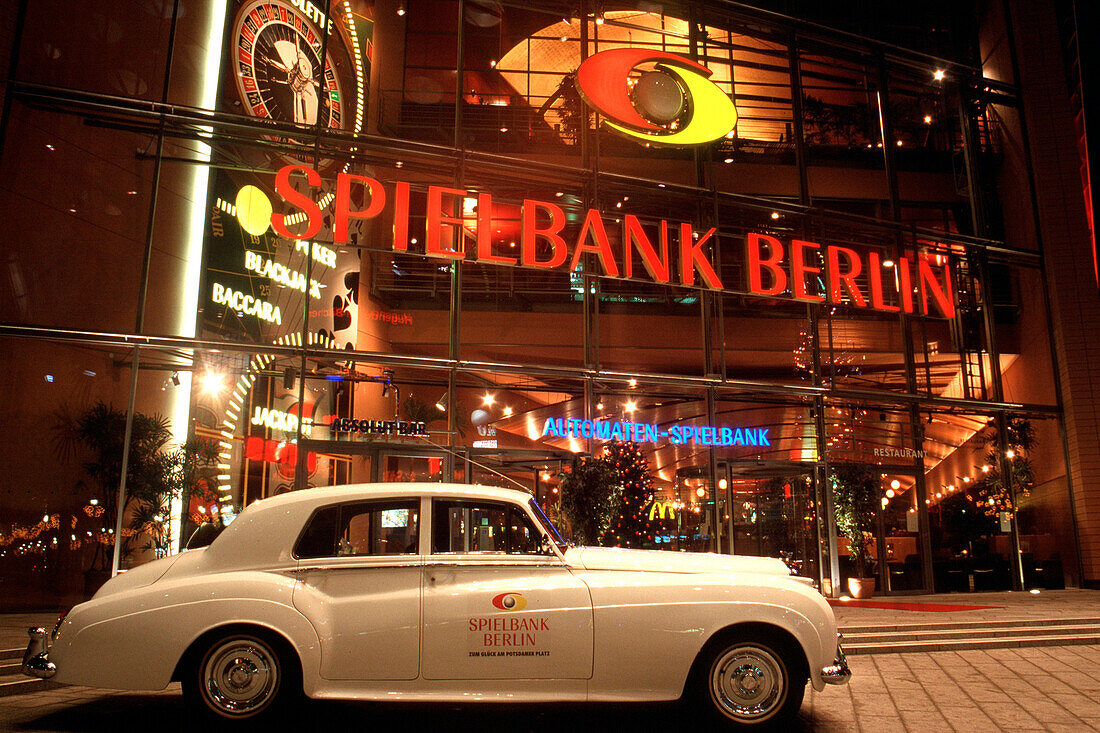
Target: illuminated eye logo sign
x,y
679,87
510,602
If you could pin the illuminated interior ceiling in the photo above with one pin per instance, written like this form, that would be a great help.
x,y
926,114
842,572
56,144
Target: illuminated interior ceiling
x,y
759,86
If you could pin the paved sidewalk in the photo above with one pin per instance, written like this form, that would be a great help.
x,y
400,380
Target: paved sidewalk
x,y
1043,688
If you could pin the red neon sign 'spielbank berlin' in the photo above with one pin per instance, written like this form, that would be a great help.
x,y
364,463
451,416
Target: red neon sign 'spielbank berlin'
x,y
773,268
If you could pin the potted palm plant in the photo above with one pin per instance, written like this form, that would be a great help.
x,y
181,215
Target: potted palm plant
x,y
855,501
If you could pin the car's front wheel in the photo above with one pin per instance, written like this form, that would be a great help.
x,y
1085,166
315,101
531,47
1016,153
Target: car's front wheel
x,y
239,676
752,681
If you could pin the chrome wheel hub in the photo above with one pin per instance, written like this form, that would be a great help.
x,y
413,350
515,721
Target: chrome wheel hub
x,y
748,683
240,677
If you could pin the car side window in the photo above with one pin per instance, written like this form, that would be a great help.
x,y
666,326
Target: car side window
x,y
465,527
370,528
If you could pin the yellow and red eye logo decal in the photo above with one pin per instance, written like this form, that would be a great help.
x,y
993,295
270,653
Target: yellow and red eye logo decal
x,y
510,602
676,104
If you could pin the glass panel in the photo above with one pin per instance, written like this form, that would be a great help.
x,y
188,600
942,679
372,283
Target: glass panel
x,y
971,545
901,534
412,468
772,515
1023,338
92,50
840,116
90,227
467,527
1046,519
378,529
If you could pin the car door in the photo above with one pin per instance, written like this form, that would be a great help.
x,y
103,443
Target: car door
x,y
359,575
496,606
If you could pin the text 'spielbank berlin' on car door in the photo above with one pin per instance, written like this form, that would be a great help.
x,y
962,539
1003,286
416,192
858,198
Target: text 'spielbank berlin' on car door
x,y
445,593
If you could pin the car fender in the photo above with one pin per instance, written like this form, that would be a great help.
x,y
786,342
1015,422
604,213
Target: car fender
x,y
134,640
656,625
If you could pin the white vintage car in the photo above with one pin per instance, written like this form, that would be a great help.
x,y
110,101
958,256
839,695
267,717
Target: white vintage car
x,y
445,593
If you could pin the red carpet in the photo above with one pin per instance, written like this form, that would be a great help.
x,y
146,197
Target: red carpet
x,y
897,606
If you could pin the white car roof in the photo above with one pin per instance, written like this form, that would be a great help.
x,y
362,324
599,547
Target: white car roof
x,y
352,492
264,533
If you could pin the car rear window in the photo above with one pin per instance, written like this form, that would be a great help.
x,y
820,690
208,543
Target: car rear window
x,y
362,528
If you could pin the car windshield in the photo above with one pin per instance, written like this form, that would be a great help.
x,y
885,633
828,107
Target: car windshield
x,y
548,526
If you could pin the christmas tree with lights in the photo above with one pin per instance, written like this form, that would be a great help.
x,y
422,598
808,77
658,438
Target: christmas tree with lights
x,y
633,527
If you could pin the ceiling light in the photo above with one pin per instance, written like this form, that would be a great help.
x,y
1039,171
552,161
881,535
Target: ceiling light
x,y
488,400
775,214
507,412
212,382
939,75
928,119
630,406
895,484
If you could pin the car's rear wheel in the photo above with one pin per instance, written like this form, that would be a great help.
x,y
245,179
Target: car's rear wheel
x,y
752,681
239,676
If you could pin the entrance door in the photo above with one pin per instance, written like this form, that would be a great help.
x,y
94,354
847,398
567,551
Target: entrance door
x,y
770,513
897,536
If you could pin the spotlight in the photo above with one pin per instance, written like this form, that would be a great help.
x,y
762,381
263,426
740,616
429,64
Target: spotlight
x,y
488,400
507,412
441,403
895,484
939,74
175,379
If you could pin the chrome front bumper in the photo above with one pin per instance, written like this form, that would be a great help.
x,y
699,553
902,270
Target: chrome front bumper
x,y
36,660
837,673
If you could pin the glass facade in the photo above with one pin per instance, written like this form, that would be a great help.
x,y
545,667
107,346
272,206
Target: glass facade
x,y
427,258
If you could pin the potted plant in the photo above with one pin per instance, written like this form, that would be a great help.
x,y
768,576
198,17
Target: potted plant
x,y
157,473
590,498
855,501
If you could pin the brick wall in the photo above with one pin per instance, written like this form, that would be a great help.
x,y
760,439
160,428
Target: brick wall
x,y
1075,302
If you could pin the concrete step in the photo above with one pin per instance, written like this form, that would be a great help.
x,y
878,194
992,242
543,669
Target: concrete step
x,y
953,625
972,633
12,679
944,645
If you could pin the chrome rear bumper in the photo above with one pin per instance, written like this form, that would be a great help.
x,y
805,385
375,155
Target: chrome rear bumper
x,y
36,660
837,673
